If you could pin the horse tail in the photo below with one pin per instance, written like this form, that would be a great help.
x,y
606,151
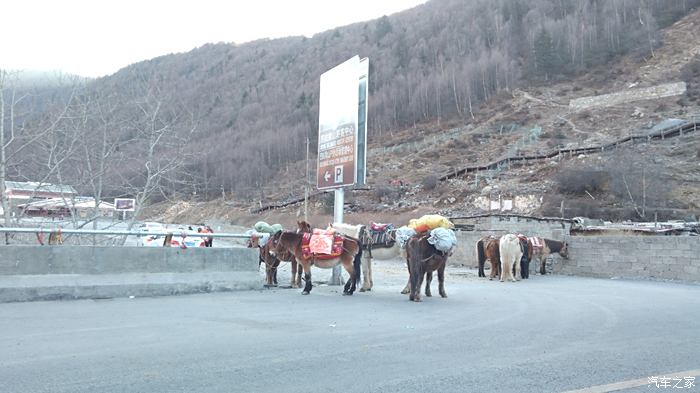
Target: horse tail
x,y
357,265
481,257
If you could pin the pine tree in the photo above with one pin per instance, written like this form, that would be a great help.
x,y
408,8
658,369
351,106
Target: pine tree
x,y
547,62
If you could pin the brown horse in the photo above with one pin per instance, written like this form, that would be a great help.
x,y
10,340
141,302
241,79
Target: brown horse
x,y
272,262
550,247
487,248
423,259
350,258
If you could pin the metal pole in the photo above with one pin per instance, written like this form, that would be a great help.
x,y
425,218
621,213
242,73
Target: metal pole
x,y
336,278
307,184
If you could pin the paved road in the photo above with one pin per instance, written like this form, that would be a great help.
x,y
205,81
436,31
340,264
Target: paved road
x,y
547,334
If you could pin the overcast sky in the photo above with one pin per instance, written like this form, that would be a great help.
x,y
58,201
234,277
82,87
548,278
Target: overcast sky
x,y
98,37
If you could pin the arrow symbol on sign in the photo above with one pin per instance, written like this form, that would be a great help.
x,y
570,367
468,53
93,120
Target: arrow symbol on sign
x,y
326,176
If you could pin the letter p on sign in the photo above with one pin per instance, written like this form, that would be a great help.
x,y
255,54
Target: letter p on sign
x,y
338,174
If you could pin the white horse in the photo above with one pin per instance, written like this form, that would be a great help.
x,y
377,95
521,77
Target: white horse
x,y
511,253
369,251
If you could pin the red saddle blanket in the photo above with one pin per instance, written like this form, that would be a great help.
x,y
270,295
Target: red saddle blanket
x,y
316,246
537,242
378,227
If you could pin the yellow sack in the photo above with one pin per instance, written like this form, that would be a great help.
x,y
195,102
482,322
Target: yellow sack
x,y
431,221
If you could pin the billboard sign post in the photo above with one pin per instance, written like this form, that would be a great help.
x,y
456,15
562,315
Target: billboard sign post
x,y
342,132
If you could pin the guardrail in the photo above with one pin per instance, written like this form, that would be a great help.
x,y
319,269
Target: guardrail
x,y
120,233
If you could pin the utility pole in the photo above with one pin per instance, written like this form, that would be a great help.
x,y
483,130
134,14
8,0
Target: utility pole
x,y
307,184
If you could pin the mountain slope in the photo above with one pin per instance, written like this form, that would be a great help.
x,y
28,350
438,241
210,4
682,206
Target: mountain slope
x,y
642,181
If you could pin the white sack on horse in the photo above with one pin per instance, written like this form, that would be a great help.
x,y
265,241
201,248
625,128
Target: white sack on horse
x,y
262,237
263,227
443,239
403,234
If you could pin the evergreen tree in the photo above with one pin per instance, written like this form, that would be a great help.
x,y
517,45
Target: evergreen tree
x,y
546,60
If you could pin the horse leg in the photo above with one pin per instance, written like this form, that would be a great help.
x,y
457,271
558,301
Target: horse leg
x,y
504,268
494,269
407,288
525,269
441,280
307,277
353,272
294,273
367,272
543,262
267,274
416,288
480,257
299,271
428,280
516,267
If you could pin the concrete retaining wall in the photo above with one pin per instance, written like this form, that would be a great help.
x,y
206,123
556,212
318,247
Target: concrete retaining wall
x,y
662,257
73,272
631,95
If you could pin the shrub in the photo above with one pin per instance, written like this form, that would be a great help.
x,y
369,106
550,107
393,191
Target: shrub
x,y
578,182
430,182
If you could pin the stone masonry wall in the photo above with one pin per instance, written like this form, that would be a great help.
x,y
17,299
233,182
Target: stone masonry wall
x,y
631,95
661,257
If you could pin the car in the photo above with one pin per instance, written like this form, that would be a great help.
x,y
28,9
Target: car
x,y
150,240
191,238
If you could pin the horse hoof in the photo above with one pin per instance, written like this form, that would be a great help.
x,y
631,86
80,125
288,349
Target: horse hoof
x,y
428,295
363,290
404,292
444,295
305,293
347,293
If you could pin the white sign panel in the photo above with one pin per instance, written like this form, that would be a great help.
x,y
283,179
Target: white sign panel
x,y
337,126
124,204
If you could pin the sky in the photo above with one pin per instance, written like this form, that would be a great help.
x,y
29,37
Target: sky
x,y
94,38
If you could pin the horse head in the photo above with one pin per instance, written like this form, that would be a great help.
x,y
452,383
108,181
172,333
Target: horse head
x,y
275,244
564,252
303,226
253,241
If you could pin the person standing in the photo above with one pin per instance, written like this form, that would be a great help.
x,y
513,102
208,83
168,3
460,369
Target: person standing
x,y
210,239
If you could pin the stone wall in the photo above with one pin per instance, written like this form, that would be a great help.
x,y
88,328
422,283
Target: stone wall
x,y
661,257
631,95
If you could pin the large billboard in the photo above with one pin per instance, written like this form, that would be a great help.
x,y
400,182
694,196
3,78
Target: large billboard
x,y
338,125
124,204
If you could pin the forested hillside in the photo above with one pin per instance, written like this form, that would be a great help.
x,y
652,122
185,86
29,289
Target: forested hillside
x,y
227,117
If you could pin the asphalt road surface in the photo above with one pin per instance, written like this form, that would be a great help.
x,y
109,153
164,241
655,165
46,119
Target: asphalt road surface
x,y
545,334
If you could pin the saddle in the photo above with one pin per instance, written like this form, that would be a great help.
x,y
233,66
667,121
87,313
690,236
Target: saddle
x,y
321,245
381,235
378,227
537,242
